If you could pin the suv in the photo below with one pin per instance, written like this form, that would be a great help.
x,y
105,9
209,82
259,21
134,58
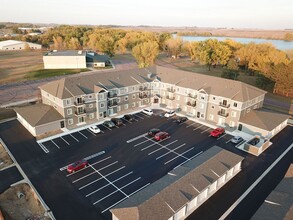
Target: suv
x,y
161,136
170,114
78,165
182,119
147,111
153,131
217,132
117,121
128,117
109,124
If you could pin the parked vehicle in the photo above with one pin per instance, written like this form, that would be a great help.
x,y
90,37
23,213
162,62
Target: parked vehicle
x,y
236,139
147,111
78,165
128,117
109,124
217,132
95,129
153,131
161,136
117,121
169,114
182,119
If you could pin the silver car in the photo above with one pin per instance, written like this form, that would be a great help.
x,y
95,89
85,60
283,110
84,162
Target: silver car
x,y
236,139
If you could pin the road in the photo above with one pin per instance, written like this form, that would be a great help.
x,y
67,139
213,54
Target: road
x,y
9,176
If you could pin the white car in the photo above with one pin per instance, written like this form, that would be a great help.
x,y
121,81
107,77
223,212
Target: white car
x,y
95,129
169,114
147,111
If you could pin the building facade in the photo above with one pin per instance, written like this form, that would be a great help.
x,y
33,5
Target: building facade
x,y
18,45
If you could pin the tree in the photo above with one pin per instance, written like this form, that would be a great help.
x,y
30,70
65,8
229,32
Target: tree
x,y
145,53
58,43
174,46
232,70
74,44
192,49
288,37
163,39
121,45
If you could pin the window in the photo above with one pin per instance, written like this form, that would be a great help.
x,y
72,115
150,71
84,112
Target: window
x,y
133,104
68,101
211,117
126,106
69,111
235,104
233,114
147,101
101,115
133,96
90,96
91,105
118,100
214,98
248,110
213,106
178,97
70,121
202,97
126,98
118,108
102,105
92,115
101,96
202,115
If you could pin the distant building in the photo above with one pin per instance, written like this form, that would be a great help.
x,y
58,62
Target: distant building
x,y
74,59
18,45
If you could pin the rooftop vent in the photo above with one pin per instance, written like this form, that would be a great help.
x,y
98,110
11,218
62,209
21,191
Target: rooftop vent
x,y
150,75
79,52
55,51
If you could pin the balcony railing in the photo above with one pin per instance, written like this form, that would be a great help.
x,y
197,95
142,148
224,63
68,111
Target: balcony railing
x,y
171,90
225,105
143,96
191,104
223,114
143,88
112,104
170,98
192,96
80,112
79,103
110,96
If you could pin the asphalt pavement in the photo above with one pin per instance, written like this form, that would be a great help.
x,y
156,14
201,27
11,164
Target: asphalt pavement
x,y
9,176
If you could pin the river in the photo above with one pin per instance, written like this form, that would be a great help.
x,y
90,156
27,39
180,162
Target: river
x,y
279,44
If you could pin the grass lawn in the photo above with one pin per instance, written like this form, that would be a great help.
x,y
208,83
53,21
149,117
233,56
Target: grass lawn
x,y
46,73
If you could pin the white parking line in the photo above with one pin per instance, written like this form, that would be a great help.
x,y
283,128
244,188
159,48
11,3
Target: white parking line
x,y
64,140
179,155
222,136
187,160
205,130
139,116
43,148
154,143
74,137
90,132
228,141
108,184
106,127
162,147
96,180
190,125
86,167
170,151
198,127
126,120
125,198
135,138
83,134
94,171
140,143
118,189
55,144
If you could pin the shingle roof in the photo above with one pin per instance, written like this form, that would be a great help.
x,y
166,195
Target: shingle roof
x,y
235,90
266,120
38,114
170,193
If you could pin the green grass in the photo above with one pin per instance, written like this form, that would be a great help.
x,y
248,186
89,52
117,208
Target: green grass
x,y
47,73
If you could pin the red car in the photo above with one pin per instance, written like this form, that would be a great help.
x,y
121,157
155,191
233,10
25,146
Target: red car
x,y
217,132
78,165
161,136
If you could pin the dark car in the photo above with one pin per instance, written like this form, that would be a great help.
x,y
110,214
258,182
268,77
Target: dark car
x,y
109,124
78,165
161,136
117,121
182,119
217,132
153,131
128,117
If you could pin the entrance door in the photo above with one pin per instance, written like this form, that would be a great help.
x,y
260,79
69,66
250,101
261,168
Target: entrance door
x,y
156,100
105,114
198,114
62,124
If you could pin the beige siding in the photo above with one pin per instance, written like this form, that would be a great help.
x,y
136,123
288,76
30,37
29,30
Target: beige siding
x,y
64,62
42,129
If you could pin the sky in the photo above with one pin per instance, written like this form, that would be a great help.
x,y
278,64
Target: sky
x,y
262,14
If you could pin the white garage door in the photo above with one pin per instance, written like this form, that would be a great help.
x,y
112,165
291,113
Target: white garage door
x,y
180,214
221,180
192,204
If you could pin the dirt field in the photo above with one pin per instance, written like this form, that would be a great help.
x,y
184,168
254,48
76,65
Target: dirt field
x,y
5,160
25,208
15,64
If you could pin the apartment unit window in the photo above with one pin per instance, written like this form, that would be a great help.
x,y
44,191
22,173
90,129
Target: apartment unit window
x,y
101,96
214,98
133,96
91,105
233,114
211,117
248,110
235,104
80,119
202,115
69,111
68,101
102,105
133,88
118,100
70,121
118,108
90,96
92,115
202,97
133,104
126,98
126,106
101,115
232,123
147,101
178,97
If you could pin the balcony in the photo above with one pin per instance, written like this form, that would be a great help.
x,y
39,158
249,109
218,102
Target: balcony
x,y
192,104
171,90
143,96
225,105
192,96
111,96
143,88
79,103
112,104
170,98
80,112
223,114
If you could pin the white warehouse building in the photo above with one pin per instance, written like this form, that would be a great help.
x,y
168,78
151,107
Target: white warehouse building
x,y
18,45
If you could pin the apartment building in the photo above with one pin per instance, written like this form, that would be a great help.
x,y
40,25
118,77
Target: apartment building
x,y
88,99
